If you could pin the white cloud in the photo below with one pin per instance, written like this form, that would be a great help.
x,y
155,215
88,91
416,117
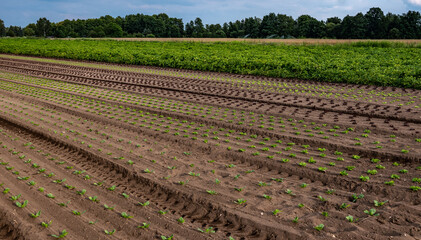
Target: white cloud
x,y
415,2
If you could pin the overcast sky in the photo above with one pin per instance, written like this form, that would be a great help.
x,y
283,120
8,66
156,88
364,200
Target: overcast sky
x,y
23,12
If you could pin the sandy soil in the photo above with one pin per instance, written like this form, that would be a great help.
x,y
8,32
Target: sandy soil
x,y
194,147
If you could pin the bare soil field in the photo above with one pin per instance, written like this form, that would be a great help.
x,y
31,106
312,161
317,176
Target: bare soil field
x,y
105,151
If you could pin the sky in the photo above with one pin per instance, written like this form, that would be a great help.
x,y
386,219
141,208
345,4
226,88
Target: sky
x,y
23,12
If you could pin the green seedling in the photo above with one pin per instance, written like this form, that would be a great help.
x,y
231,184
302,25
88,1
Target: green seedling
x,y
112,188
344,206
295,220
319,227
125,215
61,234
94,199
144,204
371,212
64,204
6,190
81,192
92,222
69,187
108,207
125,195
351,218
356,197
14,198
207,230
167,238
59,181
22,205
162,212
240,201
267,197
36,214
181,220
211,192
144,225
50,195
289,192
77,213
110,232
276,211
379,204
46,224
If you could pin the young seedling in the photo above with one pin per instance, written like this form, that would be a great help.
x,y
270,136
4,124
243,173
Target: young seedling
x,y
125,195
355,198
379,204
162,212
295,220
267,197
344,206
289,192
351,218
322,198
92,222
125,215
61,234
108,207
14,198
276,211
46,224
64,204
77,213
325,214
144,204
94,199
240,201
50,195
81,192
36,214
207,230
211,192
371,212
319,227
109,232
144,225
181,220
167,238
22,205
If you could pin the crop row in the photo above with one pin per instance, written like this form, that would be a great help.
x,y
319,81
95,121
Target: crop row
x,y
314,90
317,158
352,64
239,120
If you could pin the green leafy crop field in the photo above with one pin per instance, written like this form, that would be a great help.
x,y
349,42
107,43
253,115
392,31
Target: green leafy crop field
x,y
374,63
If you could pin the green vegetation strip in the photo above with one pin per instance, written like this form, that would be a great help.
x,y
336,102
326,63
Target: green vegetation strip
x,y
371,63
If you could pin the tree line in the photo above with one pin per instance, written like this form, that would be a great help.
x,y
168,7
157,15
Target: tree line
x,y
374,24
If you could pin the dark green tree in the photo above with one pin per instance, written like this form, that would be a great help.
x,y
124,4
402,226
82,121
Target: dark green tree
x,y
43,27
2,29
354,27
310,27
30,30
376,24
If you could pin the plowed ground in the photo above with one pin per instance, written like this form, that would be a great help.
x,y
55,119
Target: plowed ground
x,y
123,152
